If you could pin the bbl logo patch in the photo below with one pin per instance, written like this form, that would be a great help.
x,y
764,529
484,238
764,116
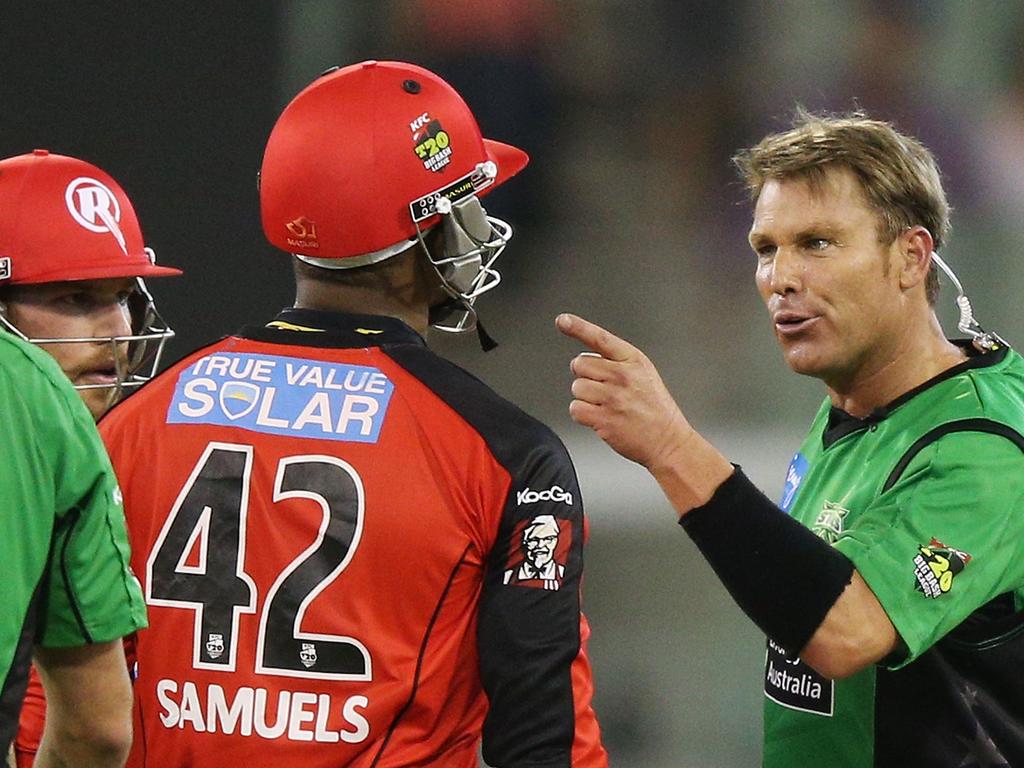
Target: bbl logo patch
x,y
308,655
830,521
935,567
214,645
431,142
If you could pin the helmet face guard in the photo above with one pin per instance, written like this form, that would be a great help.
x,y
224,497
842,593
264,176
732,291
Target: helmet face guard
x,y
473,241
145,343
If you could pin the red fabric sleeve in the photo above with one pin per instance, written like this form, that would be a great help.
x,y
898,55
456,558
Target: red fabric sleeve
x,y
31,721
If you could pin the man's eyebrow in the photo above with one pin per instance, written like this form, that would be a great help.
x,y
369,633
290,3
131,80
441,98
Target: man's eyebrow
x,y
817,229
814,229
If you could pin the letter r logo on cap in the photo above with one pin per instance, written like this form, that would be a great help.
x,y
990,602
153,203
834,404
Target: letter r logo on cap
x,y
94,206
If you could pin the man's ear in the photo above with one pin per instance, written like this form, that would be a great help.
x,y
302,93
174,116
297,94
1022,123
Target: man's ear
x,y
914,258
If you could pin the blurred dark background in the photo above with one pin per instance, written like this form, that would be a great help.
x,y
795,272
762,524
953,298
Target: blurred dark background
x,y
629,213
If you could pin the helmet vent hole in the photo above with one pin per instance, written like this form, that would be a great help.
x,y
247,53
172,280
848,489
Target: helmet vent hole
x,y
411,86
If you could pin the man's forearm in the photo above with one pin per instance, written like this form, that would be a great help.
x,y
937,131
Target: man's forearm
x,y
783,576
691,472
89,699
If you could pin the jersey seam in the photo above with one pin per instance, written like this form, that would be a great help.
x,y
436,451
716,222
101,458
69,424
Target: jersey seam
x,y
419,659
130,599
76,515
934,435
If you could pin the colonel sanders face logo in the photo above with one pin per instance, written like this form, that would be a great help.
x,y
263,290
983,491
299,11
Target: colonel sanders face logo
x,y
214,645
539,551
539,541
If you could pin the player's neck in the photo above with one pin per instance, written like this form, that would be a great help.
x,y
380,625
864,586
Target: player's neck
x,y
916,356
363,301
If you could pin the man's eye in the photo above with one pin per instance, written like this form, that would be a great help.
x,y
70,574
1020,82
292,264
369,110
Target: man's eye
x,y
765,252
818,243
77,299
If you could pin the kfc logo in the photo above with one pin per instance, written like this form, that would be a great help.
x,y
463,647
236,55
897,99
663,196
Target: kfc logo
x,y
542,549
95,207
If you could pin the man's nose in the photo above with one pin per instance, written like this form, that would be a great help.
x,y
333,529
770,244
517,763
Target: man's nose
x,y
786,271
114,319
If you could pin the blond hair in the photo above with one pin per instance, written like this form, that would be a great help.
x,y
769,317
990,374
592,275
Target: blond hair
x,y
897,174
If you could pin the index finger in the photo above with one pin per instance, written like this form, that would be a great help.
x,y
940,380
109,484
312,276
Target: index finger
x,y
591,335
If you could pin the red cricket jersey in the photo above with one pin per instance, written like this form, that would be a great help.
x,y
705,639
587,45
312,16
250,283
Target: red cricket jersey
x,y
354,554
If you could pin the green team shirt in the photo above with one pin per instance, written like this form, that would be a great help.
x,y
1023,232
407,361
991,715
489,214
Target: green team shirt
x,y
926,497
62,537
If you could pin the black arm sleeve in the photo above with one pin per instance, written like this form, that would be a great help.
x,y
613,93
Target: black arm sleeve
x,y
783,576
529,627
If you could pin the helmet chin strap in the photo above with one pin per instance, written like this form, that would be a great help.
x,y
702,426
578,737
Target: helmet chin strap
x,y
439,313
984,341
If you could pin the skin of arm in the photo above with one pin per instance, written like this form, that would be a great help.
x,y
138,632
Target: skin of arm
x,y
620,395
89,701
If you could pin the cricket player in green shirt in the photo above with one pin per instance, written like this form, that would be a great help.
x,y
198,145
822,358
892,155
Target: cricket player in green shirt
x,y
889,580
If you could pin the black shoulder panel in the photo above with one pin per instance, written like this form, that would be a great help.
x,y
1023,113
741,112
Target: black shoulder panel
x,y
510,433
964,425
12,687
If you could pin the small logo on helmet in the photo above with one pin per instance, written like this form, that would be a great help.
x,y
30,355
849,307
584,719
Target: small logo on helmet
x,y
432,143
95,207
5,268
303,233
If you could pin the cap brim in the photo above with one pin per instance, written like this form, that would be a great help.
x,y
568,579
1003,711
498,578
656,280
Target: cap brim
x,y
510,160
98,272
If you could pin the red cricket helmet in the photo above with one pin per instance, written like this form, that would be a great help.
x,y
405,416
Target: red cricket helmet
x,y
65,219
356,162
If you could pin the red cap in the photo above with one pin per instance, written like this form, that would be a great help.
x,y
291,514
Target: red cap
x,y
356,152
64,219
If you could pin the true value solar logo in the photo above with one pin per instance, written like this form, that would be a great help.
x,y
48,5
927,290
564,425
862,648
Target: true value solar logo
x,y
283,396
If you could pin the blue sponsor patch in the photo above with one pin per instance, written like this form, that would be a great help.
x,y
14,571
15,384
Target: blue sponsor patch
x,y
283,396
794,477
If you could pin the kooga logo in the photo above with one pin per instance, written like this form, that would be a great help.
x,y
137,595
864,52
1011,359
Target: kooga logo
x,y
554,493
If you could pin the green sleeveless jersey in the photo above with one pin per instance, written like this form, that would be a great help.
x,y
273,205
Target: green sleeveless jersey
x,y
62,534
926,497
